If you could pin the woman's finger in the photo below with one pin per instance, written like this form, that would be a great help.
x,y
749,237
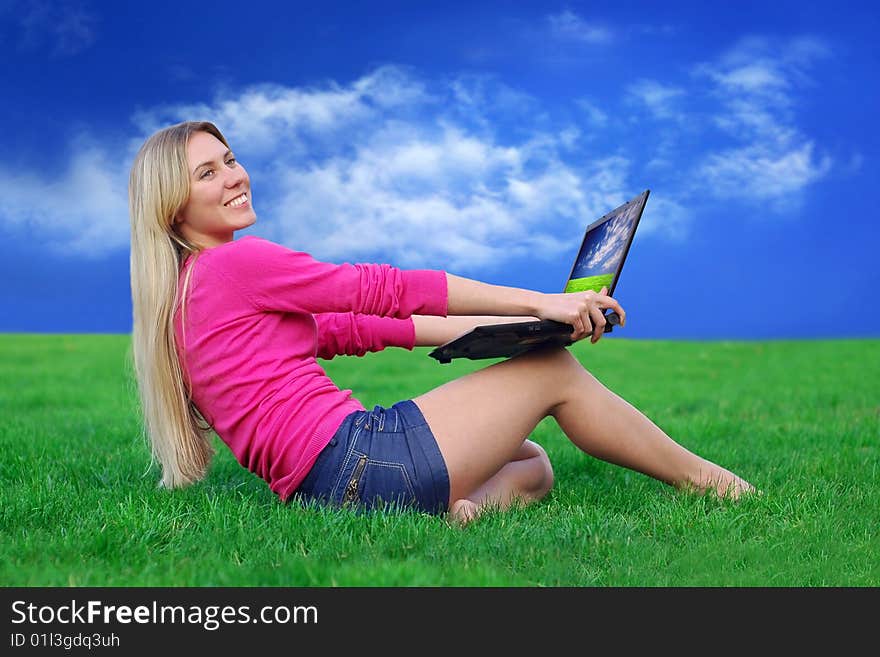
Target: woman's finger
x,y
612,303
586,324
616,307
577,327
599,322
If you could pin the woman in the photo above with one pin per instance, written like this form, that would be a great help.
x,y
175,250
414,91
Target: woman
x,y
226,335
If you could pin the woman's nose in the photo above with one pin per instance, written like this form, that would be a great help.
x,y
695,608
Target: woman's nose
x,y
236,177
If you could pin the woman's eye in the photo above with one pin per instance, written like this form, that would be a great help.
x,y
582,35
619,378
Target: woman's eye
x,y
206,173
230,162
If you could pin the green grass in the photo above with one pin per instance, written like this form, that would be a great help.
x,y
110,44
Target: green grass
x,y
595,283
79,504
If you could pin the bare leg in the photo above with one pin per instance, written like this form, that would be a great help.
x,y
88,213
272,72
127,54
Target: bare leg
x,y
480,419
526,478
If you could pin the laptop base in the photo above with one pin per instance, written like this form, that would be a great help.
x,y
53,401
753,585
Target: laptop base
x,y
508,340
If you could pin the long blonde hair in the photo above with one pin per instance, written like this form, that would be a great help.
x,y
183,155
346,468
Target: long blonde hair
x,y
158,188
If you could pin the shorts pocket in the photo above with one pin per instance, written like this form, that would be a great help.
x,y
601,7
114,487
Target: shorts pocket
x,y
378,483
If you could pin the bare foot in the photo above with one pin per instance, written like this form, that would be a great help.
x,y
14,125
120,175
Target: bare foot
x,y
723,483
734,489
463,511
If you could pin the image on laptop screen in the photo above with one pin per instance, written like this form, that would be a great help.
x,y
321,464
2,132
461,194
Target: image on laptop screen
x,y
603,250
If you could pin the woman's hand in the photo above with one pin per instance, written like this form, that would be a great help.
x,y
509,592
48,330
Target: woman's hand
x,y
583,310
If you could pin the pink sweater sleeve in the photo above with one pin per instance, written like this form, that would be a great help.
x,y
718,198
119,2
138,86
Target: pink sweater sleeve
x,y
275,278
351,334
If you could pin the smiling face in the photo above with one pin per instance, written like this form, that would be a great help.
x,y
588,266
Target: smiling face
x,y
219,200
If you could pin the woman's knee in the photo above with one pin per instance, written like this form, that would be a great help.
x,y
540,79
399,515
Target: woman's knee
x,y
557,370
555,360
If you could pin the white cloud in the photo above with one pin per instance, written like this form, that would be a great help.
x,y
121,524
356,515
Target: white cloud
x,y
747,99
459,202
595,114
568,25
660,99
387,167
263,115
84,211
751,78
791,57
400,171
763,172
462,173
757,84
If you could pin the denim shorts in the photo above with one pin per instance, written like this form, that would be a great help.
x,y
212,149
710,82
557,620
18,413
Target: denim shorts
x,y
384,458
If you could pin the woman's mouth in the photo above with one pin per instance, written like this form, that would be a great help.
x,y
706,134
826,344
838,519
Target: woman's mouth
x,y
238,201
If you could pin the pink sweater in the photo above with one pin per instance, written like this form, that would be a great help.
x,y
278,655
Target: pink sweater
x,y
257,315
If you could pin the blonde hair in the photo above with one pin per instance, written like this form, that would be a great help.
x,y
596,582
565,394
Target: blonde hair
x,y
158,189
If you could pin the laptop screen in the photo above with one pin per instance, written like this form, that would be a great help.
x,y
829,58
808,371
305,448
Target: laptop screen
x,y
604,248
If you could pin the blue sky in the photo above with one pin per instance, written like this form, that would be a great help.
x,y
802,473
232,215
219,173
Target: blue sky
x,y
480,138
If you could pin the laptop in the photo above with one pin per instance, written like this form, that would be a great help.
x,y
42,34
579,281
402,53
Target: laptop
x,y
598,264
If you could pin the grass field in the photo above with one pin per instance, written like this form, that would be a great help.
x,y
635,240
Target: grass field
x,y
595,283
79,505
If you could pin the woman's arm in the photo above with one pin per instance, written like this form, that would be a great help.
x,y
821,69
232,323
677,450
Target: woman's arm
x,y
582,310
432,331
352,334
470,297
